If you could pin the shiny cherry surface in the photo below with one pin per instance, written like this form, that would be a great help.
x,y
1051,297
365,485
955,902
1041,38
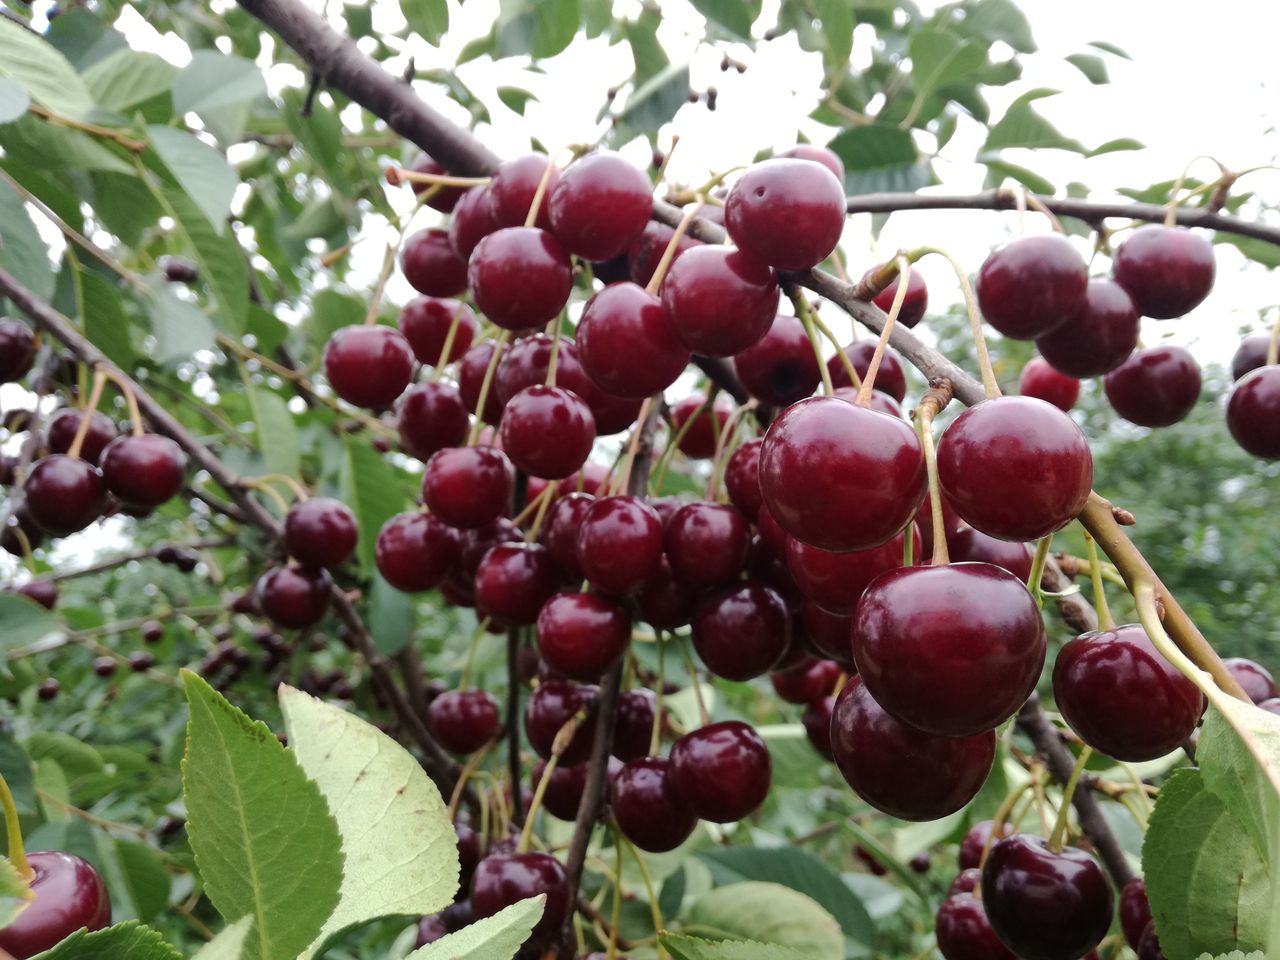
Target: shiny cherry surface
x,y
807,681
514,580
368,365
817,725
143,471
741,631
69,894
468,486
828,634
706,544
1100,338
890,378
64,494
1168,271
553,704
1154,387
512,188
62,428
431,265
426,321
501,880
914,304
1250,355
564,789
700,437
1032,285
520,277
471,222
975,841
17,350
646,250
415,551
633,726
780,368
547,431
471,373
560,531
822,155
665,601
836,581
1135,911
1253,413
1254,677
722,770
582,634
431,417
600,205
964,932
650,810
742,478
968,544
294,596
1040,380
626,342
320,532
720,301
619,544
463,721
788,213
445,198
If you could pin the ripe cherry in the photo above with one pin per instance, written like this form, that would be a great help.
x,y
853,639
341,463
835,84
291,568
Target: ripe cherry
x,y
600,205
1168,271
1032,285
48,689
520,277
836,581
368,365
560,532
781,368
512,189
626,343
463,721
1149,945
788,213
839,476
471,374
914,303
1045,905
807,681
320,532
890,378
700,437
431,417
62,431
968,544
646,250
1016,468
514,580
742,631
1135,911
425,323
619,544
294,596
1250,355
817,725
975,841
828,634
1253,413
828,158
904,772
720,301
17,350
500,881
415,551
722,770
430,264
477,542
104,666
742,478
69,895
43,592
471,222
964,932
443,199
547,431
706,544
1043,382
1122,697
633,726
1254,677
1154,387
64,494
466,487
564,789
665,601
430,929
1100,338
582,634
650,810
553,704
143,471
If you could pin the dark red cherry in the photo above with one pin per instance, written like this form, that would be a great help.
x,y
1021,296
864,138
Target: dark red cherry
x,y
520,277
839,476
430,264
415,551
1100,338
1168,271
320,532
1250,355
781,368
294,596
807,681
742,477
822,155
48,689
650,810
368,365
564,790
547,431
582,634
890,378
706,544
1045,905
772,538
829,634
560,532
1043,382
817,725
836,581
720,301
926,638
1253,413
788,213
634,724
619,544
1135,912
425,323
17,350
1254,677
64,494
914,303
430,929
1149,945
463,721
443,199
553,704
646,250
600,205
471,222
975,841
904,772
431,417
952,524
514,580
512,189
43,592
1155,387
1032,285
143,471
665,601
467,487
471,373
964,932
968,544
626,343
68,895
1122,697
722,770
612,414
62,428
500,881
476,542
742,631
104,666
1016,468
700,439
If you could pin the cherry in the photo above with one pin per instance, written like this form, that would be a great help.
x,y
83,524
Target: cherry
x,y
563,793
48,688
512,189
1043,382
500,881
43,592
1253,413
869,859
828,634
514,580
600,205
528,364
471,222
104,666
1154,387
1254,677
963,931
914,303
807,681
619,544
646,250
431,265
294,596
699,440
720,301
828,158
1032,285
62,431
152,631
64,494
626,342
742,478
68,895
560,532
477,542
650,809
722,770
415,551
968,544
706,544
431,417
320,532
425,323
430,929
839,476
1149,945
547,431
1122,697
975,841
817,725
143,471
634,724
463,721
1100,338
1251,354
368,365
443,199
17,350
890,378
520,277
900,770
466,487
582,634
1016,468
179,270
836,581
1168,271
780,368
1135,912
742,631
665,601
471,378
553,704
140,661
1045,905
788,213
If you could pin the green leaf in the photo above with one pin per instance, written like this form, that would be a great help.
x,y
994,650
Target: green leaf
x,y
493,938
200,170
124,205
15,894
555,23
180,327
769,913
23,621
229,944
128,78
124,941
998,170
102,314
1114,146
22,252
646,52
1261,251
264,840
277,430
215,80
1111,48
372,490
837,30
514,98
14,100
429,18
1093,67
733,16
1001,20
47,146
655,103
390,615
693,948
320,133
330,312
879,158
939,58
15,767
222,267
1021,126
47,75
143,883
399,847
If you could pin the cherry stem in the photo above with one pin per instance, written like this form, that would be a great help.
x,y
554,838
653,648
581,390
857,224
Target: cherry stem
x,y
658,926
909,544
805,312
1171,213
479,632
615,916
499,345
472,765
388,264
845,362
673,443
297,489
658,177
725,446
990,387
1037,568
703,715
1273,348
447,347
655,737
398,175
899,296
130,399
544,502
553,331
1035,203
264,487
669,254
1064,812
95,397
531,218
17,856
924,427
1105,620
1002,817
531,507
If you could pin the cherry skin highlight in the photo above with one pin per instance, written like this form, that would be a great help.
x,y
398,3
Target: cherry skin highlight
x,y
600,205
1032,285
742,631
1168,271
64,495
1250,355
520,277
415,551
723,770
807,682
320,532
560,531
788,213
547,431
582,634
1154,387
431,417
514,580
1254,677
706,544
975,841
512,188
471,222
1040,380
626,342
431,265
742,478
891,379
836,581
425,323
17,350
294,596
69,894
553,704
633,727
968,544
368,365
828,158
144,471
1253,413
964,932
720,301
817,725
646,250
1100,338
1135,912
500,881
619,544
471,373
62,428
466,487
445,198
700,438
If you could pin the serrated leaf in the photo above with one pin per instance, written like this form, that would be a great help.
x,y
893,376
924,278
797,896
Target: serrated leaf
x,y
23,621
264,840
879,158
555,23
1093,67
14,100
733,16
683,947
399,847
22,252
222,267
229,944
1022,126
494,938
15,893
429,18
999,20
200,170
769,913
143,883
43,71
124,941
180,328
372,490
213,80
128,78
277,431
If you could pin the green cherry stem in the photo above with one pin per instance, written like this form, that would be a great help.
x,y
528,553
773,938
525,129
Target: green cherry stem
x,y
655,736
564,736
499,346
1105,620
1064,811
17,856
1037,568
873,367
703,715
924,427
669,254
95,396
449,337
990,387
805,312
